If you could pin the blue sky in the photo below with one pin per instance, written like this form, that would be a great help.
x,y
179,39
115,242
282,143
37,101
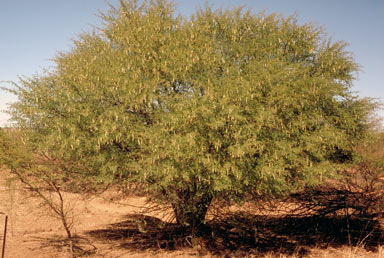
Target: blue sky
x,y
33,31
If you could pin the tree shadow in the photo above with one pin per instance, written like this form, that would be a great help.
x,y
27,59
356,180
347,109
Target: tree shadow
x,y
81,246
141,232
290,235
244,233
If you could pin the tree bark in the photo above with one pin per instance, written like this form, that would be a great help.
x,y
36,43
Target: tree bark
x,y
190,212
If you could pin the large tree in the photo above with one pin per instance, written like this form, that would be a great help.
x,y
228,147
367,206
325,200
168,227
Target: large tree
x,y
223,104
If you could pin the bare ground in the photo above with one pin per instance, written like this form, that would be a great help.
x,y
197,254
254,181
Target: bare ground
x,y
104,228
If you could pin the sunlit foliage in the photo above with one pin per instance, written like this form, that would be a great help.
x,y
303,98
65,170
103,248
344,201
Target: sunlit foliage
x,y
223,104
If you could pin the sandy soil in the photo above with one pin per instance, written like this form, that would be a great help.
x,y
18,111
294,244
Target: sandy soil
x,y
34,232
120,229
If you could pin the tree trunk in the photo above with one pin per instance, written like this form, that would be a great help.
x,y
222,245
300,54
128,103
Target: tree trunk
x,y
190,211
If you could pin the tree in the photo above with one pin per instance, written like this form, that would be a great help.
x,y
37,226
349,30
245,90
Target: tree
x,y
224,104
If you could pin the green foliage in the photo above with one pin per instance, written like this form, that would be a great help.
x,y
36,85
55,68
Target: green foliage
x,y
220,105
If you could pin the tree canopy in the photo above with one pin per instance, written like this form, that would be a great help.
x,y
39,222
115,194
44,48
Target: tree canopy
x,y
222,104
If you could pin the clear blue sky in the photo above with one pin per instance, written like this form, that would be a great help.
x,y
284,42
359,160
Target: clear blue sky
x,y
32,31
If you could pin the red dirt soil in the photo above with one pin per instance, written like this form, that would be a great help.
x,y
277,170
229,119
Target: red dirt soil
x,y
33,232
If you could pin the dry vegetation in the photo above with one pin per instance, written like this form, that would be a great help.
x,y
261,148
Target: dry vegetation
x,y
341,218
330,221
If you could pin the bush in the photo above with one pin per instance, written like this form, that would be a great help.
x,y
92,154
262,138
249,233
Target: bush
x,y
219,105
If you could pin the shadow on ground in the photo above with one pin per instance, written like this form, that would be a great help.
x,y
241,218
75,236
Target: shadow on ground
x,y
140,232
239,233
81,246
